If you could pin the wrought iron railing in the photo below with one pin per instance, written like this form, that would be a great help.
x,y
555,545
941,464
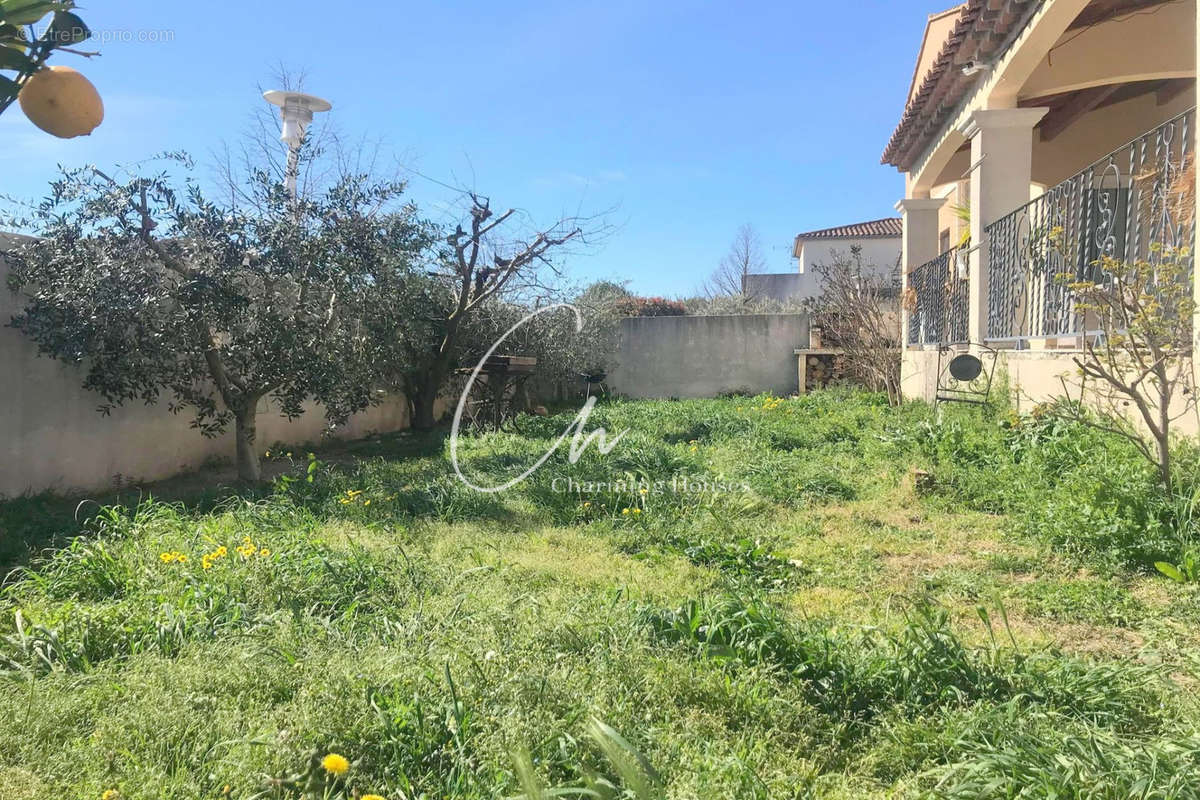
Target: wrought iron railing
x,y
1133,204
938,302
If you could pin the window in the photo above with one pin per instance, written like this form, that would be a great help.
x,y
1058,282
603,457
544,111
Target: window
x,y
944,241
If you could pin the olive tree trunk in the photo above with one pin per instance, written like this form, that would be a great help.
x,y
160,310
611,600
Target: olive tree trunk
x,y
245,432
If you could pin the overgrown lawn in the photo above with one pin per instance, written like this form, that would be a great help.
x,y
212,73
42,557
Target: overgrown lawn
x,y
748,598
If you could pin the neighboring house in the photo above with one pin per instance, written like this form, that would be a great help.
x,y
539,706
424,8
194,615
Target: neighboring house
x,y
1067,127
878,239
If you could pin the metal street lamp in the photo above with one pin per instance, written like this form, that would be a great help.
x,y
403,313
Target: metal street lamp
x,y
296,110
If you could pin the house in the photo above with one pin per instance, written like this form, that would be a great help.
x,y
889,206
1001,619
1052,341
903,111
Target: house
x,y
1038,136
879,240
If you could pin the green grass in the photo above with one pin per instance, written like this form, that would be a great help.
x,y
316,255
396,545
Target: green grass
x,y
815,628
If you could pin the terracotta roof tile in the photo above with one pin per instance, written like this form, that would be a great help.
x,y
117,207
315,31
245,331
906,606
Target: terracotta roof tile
x,y
983,32
876,228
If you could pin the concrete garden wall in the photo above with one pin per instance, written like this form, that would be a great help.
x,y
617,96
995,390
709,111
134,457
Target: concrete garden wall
x,y
704,356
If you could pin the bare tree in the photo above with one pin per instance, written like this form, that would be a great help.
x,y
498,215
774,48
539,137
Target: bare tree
x,y
860,313
1135,378
744,257
484,261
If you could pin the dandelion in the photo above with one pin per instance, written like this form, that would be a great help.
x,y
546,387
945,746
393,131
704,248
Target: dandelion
x,y
181,558
366,502
167,558
587,504
371,797
625,511
637,511
264,552
335,764
110,794
221,551
643,491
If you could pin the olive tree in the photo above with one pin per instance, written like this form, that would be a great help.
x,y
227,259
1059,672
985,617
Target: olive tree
x,y
158,291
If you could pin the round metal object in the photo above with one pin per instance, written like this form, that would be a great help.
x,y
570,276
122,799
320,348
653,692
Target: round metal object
x,y
965,367
280,98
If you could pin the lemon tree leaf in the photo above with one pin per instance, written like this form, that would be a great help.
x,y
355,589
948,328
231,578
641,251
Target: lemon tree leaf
x,y
12,59
26,12
68,29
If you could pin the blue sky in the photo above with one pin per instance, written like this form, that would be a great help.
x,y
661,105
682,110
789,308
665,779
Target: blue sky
x,y
691,118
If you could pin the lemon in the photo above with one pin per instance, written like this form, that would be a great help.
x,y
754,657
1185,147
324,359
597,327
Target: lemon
x,y
62,102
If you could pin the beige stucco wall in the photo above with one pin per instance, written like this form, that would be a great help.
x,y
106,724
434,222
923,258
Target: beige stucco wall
x,y
1095,135
881,253
54,439
937,30
1032,377
1156,43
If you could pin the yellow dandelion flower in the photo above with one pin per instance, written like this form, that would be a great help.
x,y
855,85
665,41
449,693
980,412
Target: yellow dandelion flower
x,y
264,552
643,491
166,558
110,794
371,797
366,502
221,551
637,511
624,510
335,764
587,504
181,558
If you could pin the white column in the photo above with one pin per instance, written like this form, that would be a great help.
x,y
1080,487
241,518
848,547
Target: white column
x,y
1001,173
919,243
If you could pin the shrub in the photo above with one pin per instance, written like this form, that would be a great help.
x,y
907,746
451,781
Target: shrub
x,y
650,307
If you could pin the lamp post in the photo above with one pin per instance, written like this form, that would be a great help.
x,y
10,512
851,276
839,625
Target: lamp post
x,y
296,110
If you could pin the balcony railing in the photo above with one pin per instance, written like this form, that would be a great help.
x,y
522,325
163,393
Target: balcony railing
x,y
1131,205
938,304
